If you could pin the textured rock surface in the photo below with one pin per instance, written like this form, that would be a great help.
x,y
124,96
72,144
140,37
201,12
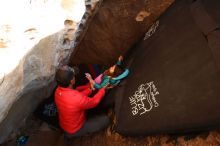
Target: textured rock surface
x,y
29,82
30,51
116,27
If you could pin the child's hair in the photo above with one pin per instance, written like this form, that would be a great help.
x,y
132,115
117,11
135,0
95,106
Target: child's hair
x,y
118,70
64,75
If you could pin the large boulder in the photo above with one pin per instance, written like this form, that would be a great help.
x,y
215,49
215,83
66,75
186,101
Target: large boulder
x,y
24,87
174,80
30,51
115,28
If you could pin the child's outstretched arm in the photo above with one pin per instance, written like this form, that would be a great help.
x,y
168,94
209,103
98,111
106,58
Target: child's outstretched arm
x,y
94,84
91,81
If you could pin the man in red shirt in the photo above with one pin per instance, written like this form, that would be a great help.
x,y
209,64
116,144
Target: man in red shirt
x,y
72,104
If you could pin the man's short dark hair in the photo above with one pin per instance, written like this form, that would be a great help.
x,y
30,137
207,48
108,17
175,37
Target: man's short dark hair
x,y
64,75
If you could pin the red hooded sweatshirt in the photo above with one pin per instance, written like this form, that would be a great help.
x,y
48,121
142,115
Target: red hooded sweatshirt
x,y
71,105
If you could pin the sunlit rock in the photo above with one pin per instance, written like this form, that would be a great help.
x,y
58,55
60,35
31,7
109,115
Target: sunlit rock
x,y
32,45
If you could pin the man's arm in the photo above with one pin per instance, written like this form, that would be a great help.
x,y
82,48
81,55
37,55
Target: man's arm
x,y
87,91
83,87
88,102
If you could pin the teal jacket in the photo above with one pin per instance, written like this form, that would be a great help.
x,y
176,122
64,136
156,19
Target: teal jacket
x,y
113,81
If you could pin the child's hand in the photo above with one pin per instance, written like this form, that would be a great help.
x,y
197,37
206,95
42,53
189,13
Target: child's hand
x,y
120,58
88,76
91,81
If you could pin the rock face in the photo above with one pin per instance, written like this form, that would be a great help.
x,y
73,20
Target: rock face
x,y
116,27
28,59
31,81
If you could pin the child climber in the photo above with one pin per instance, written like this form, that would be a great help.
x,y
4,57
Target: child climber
x,y
111,76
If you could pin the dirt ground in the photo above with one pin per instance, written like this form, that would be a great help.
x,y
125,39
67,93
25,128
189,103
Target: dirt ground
x,y
41,134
